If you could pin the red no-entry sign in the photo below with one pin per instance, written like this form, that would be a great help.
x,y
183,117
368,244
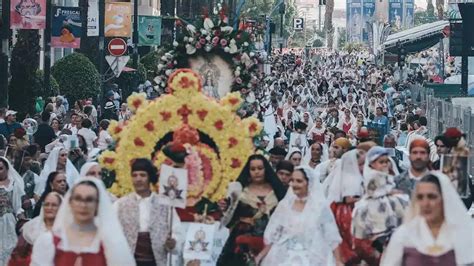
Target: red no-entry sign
x,y
117,47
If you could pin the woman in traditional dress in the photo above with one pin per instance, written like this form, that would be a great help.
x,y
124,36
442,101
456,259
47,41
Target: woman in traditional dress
x,y
86,231
57,161
248,215
294,156
21,255
318,132
379,211
302,230
437,229
56,182
346,121
344,188
11,191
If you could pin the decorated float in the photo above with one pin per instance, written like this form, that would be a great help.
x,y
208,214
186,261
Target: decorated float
x,y
217,140
228,59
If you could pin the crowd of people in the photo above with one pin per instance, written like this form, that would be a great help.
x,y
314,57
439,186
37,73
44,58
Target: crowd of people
x,y
344,174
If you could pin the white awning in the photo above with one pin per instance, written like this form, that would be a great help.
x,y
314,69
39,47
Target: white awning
x,y
416,33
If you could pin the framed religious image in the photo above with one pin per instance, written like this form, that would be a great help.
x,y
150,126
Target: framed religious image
x,y
216,74
455,167
173,186
199,242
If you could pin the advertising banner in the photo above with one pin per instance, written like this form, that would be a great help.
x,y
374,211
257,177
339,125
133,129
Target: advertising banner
x,y
118,21
28,14
368,13
66,27
395,14
93,18
149,30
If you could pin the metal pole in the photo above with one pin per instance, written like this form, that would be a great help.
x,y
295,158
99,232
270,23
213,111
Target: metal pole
x,y
319,18
101,47
464,61
4,52
281,31
47,48
135,34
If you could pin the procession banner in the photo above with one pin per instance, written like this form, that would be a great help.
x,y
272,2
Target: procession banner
x,y
368,12
199,242
409,7
173,186
93,18
28,14
66,27
355,21
395,13
149,30
118,21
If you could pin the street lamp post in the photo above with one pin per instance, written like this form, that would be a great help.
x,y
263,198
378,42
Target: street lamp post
x,y
47,48
4,51
282,13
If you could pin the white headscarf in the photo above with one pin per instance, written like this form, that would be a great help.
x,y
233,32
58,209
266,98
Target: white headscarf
x,y
13,175
346,179
86,167
109,230
458,228
51,165
35,227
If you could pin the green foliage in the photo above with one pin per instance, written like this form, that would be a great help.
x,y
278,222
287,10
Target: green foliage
x,y
77,77
342,37
128,81
24,63
38,88
354,47
151,60
424,17
318,43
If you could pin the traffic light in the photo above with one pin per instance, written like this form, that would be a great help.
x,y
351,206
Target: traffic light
x,y
401,57
282,8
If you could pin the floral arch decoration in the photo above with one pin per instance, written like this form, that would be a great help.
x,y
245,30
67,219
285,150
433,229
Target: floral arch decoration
x,y
238,47
185,110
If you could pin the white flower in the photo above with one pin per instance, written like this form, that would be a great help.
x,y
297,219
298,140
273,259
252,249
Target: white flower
x,y
226,49
246,44
238,68
169,55
227,29
246,60
160,67
157,80
233,47
252,54
208,38
236,73
191,39
191,28
190,49
163,58
175,62
208,24
185,39
163,84
168,72
208,47
203,32
175,44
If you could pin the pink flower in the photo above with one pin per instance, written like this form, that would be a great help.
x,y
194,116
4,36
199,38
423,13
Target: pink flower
x,y
198,45
170,65
215,40
202,41
223,42
238,80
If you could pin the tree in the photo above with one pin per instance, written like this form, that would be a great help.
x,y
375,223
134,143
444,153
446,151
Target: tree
x,y
430,8
151,60
24,63
77,77
38,88
328,27
341,42
424,17
128,81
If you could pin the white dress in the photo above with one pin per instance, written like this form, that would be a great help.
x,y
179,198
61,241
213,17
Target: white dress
x,y
10,206
301,240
